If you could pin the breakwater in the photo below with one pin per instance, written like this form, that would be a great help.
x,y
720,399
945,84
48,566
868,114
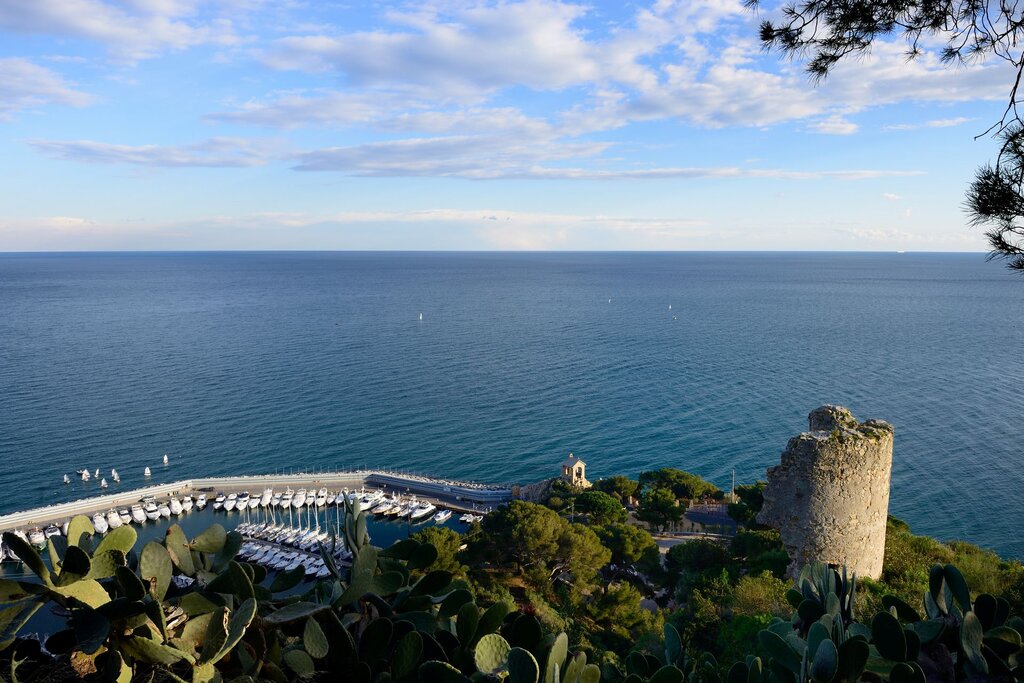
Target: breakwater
x,y
457,495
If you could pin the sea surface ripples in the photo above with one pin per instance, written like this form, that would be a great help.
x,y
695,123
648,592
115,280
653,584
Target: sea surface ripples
x,y
236,363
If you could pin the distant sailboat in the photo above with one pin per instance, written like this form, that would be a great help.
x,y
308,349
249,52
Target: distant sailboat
x,y
165,458
97,474
115,476
103,483
85,474
147,473
670,307
421,316
67,480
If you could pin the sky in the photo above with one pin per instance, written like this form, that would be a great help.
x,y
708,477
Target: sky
x,y
520,125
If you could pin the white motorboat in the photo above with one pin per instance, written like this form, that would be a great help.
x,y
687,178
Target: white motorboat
x,y
254,503
37,538
113,519
165,458
147,472
321,498
229,502
67,479
174,505
422,510
187,503
299,499
164,510
152,511
126,517
331,498
138,514
201,501
99,523
218,502
103,483
268,495
242,501
51,531
64,527
443,516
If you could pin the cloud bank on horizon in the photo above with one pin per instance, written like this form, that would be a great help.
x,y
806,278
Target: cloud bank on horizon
x,y
534,124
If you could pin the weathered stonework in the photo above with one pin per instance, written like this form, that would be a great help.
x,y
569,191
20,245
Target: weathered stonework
x,y
829,495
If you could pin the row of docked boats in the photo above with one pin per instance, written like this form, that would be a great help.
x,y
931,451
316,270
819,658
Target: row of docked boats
x,y
148,509
283,547
287,499
375,501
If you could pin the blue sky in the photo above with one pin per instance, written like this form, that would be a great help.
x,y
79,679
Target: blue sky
x,y
244,124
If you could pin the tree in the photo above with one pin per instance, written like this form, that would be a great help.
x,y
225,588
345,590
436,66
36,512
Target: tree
x,y
522,533
830,30
620,487
543,546
658,507
684,485
580,556
751,500
618,612
627,543
600,507
699,556
447,541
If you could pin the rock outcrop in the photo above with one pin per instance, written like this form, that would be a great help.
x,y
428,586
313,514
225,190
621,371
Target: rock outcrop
x,y
829,495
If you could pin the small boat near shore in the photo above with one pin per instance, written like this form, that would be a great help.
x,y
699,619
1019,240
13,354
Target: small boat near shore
x,y
442,516
138,514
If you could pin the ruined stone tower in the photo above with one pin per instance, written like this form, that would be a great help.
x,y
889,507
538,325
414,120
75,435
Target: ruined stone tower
x,y
829,495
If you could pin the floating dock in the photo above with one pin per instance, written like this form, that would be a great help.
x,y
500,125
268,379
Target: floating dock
x,y
459,496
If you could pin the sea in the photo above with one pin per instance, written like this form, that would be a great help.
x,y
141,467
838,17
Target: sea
x,y
495,366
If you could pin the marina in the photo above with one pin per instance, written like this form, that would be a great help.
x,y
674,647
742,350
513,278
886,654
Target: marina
x,y
289,509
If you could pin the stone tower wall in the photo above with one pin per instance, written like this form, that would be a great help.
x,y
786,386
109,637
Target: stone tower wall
x,y
829,495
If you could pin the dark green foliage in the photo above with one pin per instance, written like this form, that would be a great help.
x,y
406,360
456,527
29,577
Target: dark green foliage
x,y
599,508
542,547
683,485
751,500
659,507
619,487
399,616
629,545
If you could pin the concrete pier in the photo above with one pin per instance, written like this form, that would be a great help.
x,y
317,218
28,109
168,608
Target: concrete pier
x,y
459,496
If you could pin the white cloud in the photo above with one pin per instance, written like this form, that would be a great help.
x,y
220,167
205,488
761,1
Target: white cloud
x,y
465,156
935,123
24,85
890,196
132,30
834,125
211,153
474,48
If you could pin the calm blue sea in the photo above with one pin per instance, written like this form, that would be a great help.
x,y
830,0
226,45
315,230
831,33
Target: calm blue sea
x,y
258,362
